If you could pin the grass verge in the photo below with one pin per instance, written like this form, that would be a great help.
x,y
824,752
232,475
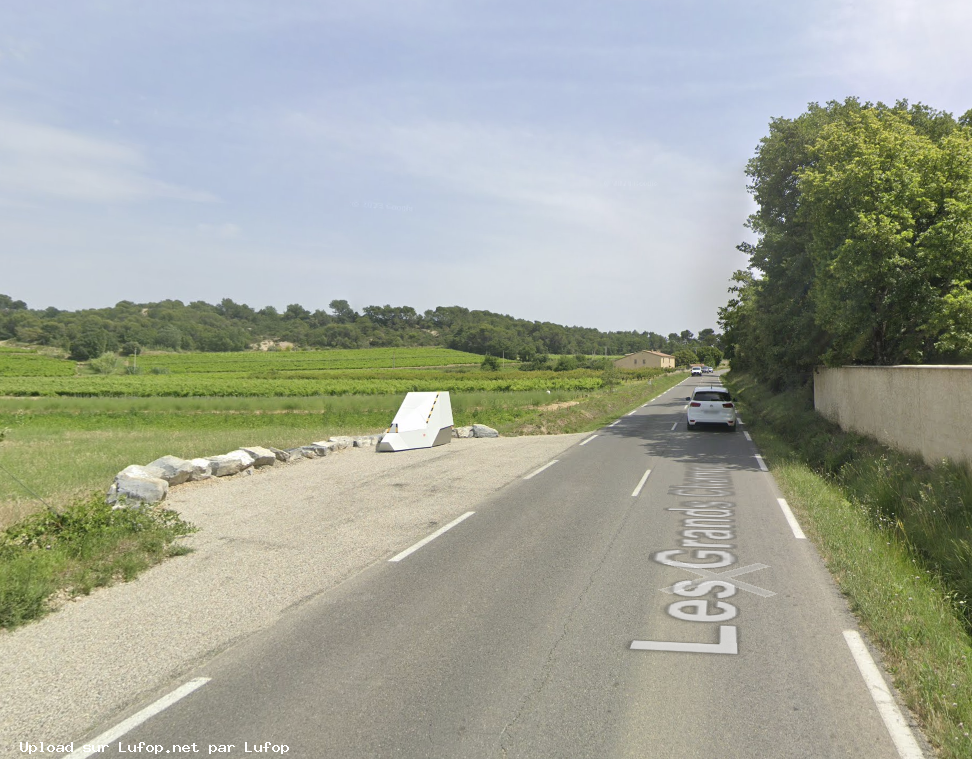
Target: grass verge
x,y
888,528
52,556
97,437
589,412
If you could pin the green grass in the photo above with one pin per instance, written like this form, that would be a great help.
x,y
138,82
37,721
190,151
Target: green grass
x,y
928,507
892,532
88,545
63,438
250,361
294,384
16,362
66,448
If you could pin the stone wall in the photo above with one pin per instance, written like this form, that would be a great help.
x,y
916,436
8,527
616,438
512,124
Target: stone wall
x,y
926,410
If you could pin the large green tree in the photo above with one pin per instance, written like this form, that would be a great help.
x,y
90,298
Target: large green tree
x,y
864,242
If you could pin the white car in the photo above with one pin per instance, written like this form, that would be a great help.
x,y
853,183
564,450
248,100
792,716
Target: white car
x,y
696,371
711,404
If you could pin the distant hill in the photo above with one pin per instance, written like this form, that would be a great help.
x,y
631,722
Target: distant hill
x,y
230,326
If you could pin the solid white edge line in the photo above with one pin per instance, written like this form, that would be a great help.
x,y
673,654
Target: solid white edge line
x,y
409,551
137,719
585,442
641,484
747,436
535,472
794,524
762,464
894,721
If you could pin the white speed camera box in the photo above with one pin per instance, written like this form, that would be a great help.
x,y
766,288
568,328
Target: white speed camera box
x,y
423,421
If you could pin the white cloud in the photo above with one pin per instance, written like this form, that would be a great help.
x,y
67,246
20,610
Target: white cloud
x,y
912,41
577,179
575,216
45,162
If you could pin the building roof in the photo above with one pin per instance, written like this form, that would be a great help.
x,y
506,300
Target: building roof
x,y
654,353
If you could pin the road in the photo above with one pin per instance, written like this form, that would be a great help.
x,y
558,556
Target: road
x,y
644,595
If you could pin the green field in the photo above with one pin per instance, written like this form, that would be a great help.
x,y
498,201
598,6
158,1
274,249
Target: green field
x,y
67,435
19,362
289,361
374,371
235,384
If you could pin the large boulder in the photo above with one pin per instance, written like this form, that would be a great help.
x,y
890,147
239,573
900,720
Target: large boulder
x,y
202,469
340,442
134,489
282,456
136,470
317,450
481,430
233,462
261,456
172,469
366,441
462,432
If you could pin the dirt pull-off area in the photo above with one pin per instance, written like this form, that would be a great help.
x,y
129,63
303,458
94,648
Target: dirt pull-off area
x,y
267,541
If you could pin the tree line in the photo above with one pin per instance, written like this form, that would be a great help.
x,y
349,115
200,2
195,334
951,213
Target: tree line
x,y
229,326
864,242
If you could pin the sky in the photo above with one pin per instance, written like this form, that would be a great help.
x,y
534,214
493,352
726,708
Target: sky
x,y
575,162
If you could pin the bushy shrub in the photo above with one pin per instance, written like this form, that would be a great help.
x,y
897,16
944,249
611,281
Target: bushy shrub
x,y
610,377
490,364
540,362
106,363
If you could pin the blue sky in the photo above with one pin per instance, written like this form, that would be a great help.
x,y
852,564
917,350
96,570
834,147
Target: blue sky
x,y
580,163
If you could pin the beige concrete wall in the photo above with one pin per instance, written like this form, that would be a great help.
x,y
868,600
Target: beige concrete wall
x,y
926,410
645,360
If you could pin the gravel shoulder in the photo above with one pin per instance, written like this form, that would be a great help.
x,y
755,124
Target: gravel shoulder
x,y
267,541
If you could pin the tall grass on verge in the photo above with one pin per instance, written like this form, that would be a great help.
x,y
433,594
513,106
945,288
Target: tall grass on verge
x,y
86,546
930,508
894,534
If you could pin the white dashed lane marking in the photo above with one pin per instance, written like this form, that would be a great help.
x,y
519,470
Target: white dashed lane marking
x,y
535,472
409,551
135,720
791,520
641,484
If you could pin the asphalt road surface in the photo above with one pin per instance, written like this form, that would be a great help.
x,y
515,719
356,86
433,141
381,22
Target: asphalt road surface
x,y
592,609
